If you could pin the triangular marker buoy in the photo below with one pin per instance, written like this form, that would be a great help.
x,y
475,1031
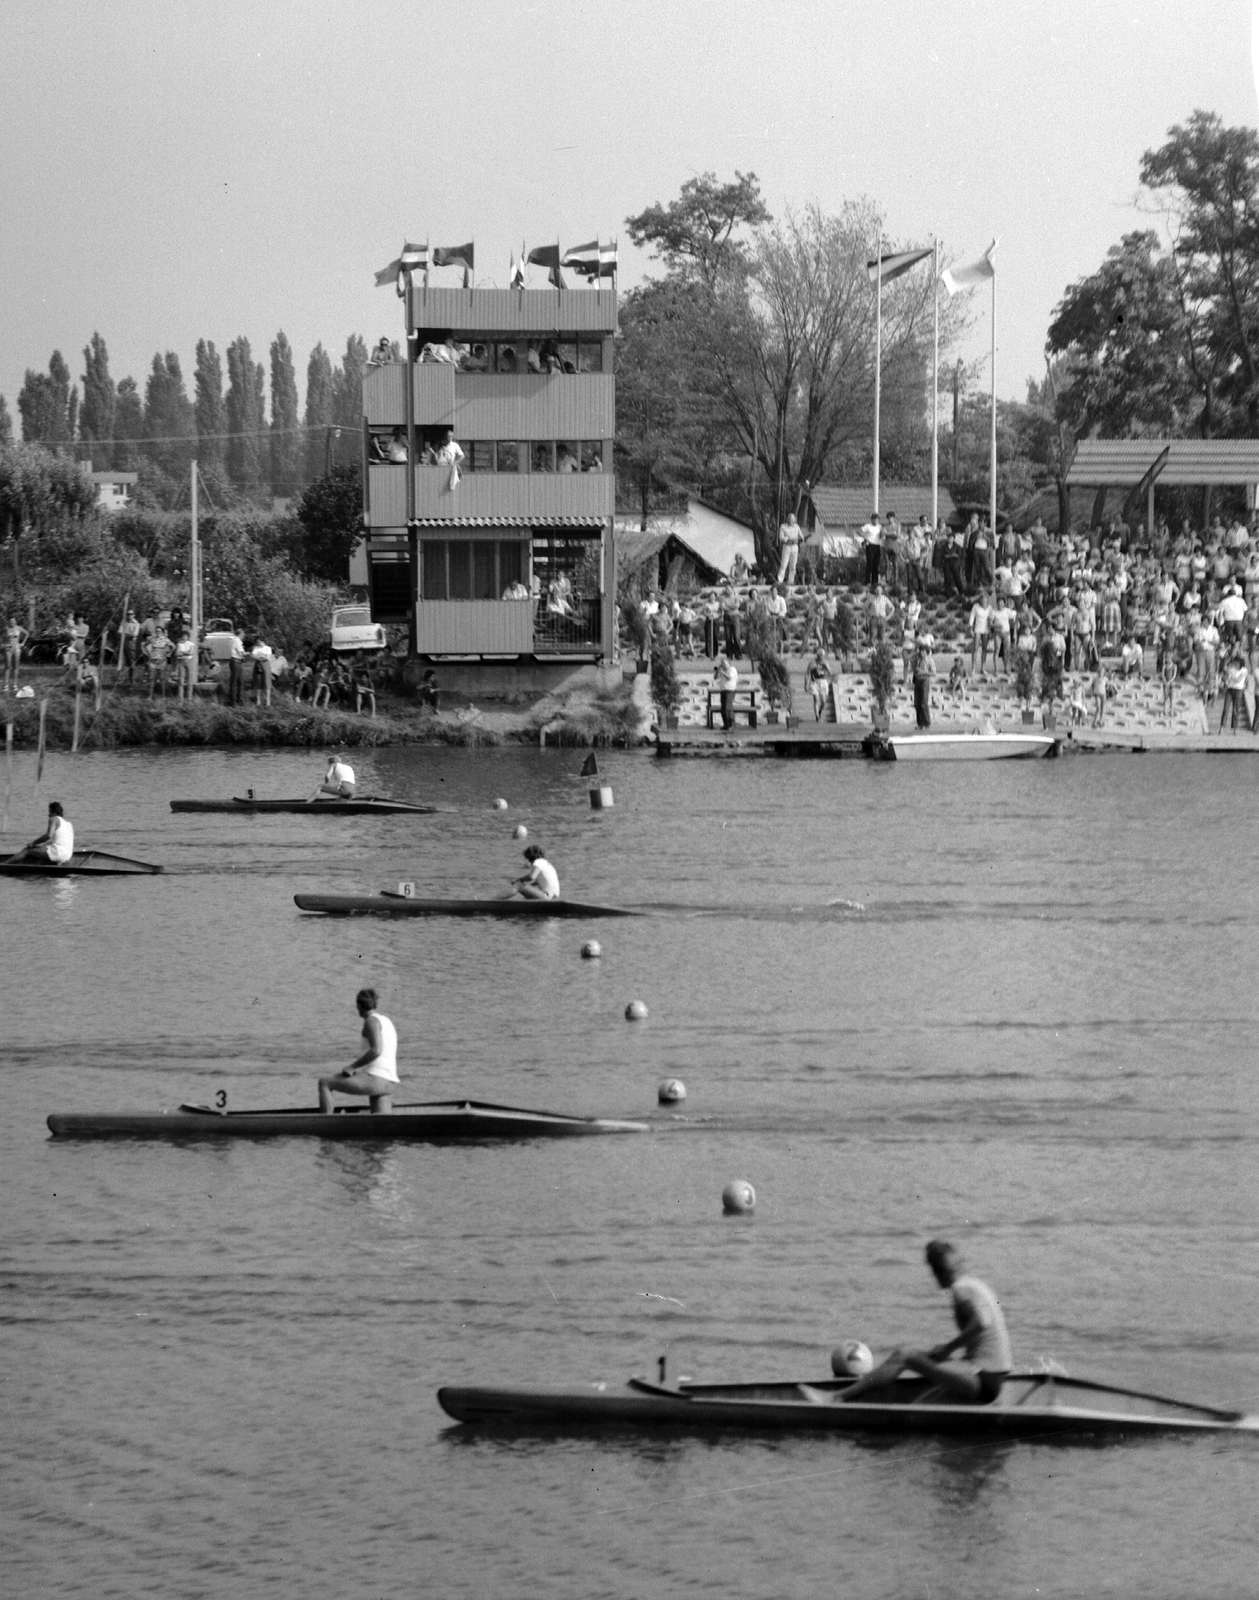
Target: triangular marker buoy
x,y
590,766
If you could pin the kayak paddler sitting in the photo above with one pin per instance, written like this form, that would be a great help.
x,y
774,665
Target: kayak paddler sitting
x,y
55,844
338,781
375,1072
541,882
982,1339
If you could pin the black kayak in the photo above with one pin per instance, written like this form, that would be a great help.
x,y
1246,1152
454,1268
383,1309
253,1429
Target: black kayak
x,y
390,904
429,1121
1031,1405
82,864
366,805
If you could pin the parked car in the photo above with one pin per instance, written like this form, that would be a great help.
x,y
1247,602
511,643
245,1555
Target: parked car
x,y
353,629
217,639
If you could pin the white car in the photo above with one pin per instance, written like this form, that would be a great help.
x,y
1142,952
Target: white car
x,y
217,639
353,629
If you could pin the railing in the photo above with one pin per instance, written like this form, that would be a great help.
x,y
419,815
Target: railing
x,y
579,631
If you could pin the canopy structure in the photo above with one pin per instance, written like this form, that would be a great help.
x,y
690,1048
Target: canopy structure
x,y
1137,464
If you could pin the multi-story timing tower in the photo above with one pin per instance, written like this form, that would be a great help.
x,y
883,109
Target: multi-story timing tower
x,y
514,562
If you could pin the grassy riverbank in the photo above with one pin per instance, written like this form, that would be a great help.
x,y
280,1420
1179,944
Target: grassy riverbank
x,y
129,718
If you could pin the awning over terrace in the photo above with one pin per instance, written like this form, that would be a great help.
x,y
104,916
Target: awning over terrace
x,y
592,524
1125,463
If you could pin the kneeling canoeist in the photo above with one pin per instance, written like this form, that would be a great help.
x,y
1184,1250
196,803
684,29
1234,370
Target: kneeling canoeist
x,y
56,843
375,1073
541,882
338,781
982,1338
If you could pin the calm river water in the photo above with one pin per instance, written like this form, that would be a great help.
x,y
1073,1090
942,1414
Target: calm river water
x,y
1034,1034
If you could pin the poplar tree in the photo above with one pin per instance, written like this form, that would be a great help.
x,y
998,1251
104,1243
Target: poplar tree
x,y
210,412
168,417
96,419
347,400
244,417
128,426
44,403
318,412
286,441
6,423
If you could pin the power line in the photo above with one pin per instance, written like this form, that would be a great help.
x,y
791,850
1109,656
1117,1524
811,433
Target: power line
x,y
196,438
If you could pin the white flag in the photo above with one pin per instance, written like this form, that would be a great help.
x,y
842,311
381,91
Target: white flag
x,y
956,279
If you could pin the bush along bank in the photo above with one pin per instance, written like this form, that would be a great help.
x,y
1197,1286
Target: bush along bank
x,y
130,719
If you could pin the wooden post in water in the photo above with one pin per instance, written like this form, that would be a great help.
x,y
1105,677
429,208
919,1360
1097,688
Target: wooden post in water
x,y
194,588
43,735
78,706
8,771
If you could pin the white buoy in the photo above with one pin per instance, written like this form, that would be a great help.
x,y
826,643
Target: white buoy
x,y
500,805
601,796
520,831
738,1197
592,950
671,1091
852,1359
636,1011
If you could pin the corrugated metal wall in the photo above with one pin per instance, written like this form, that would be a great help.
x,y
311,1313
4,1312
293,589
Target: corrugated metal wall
x,y
514,310
490,494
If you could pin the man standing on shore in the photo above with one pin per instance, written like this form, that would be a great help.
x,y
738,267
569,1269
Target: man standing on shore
x,y
15,636
872,534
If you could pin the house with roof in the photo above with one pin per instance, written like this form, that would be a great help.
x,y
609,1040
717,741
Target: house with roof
x,y
836,513
114,489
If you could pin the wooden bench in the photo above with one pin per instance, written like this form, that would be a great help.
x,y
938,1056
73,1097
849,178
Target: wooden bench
x,y
748,707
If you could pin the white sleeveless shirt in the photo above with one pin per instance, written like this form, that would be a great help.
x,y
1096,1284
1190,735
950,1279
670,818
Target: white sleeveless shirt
x,y
386,1063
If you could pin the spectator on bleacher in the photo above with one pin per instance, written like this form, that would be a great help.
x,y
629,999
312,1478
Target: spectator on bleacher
x,y
710,612
893,551
872,536
1101,692
730,621
684,624
977,622
1235,674
879,611
817,679
776,610
1000,628
726,679
981,557
1230,616
923,672
951,563
790,535
911,612
1206,644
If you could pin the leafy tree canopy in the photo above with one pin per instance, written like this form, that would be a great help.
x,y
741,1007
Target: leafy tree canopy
x,y
330,512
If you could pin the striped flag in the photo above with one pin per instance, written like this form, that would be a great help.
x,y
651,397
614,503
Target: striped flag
x,y
885,269
607,260
955,279
517,279
583,259
414,258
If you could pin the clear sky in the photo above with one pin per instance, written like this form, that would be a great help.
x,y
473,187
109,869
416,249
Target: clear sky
x,y
176,171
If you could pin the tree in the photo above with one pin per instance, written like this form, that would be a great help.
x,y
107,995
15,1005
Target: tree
x,y
244,418
1205,179
128,426
331,515
168,418
695,234
286,440
209,409
1127,346
6,423
96,419
660,417
347,400
44,402
318,412
42,493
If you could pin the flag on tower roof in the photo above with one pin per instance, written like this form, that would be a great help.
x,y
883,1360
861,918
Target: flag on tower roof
x,y
455,255
548,255
607,260
583,259
414,258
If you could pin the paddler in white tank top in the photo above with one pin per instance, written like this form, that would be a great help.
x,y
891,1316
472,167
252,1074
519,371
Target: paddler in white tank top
x,y
982,1339
56,843
375,1073
338,782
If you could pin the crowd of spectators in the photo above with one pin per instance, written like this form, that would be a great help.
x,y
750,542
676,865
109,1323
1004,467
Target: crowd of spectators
x,y
1114,602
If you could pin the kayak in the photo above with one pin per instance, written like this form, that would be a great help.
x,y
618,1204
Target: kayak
x,y
429,1121
388,903
1031,1404
83,864
367,805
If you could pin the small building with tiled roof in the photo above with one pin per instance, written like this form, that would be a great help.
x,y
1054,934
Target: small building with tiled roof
x,y
840,508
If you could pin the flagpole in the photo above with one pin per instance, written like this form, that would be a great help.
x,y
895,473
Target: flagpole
x,y
413,544
935,392
878,354
992,465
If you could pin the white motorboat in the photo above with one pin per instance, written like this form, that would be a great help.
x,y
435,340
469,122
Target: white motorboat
x,y
969,746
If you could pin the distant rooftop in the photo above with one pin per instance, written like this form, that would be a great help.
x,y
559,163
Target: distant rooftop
x,y
839,506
